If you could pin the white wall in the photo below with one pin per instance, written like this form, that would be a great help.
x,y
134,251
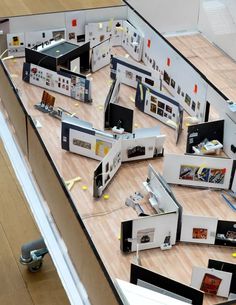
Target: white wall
x,y
217,21
169,15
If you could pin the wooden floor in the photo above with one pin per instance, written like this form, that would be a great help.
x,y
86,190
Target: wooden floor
x,y
102,217
29,7
17,285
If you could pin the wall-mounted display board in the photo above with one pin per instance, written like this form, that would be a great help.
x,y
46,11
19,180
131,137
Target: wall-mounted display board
x,y
63,81
137,295
38,37
56,54
153,231
132,41
196,134
227,267
160,106
198,229
101,55
100,31
185,84
201,171
129,72
75,26
146,278
211,281
16,44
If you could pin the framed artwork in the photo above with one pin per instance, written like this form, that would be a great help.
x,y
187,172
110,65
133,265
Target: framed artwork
x,y
199,233
195,173
153,108
210,283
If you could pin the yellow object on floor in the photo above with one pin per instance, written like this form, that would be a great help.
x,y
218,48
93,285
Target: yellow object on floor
x,y
70,183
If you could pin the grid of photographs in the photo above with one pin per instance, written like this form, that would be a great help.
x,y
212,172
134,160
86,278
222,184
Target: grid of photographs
x,y
195,173
160,108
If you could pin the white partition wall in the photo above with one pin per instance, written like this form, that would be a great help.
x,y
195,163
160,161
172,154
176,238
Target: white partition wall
x,y
168,15
185,84
217,21
198,170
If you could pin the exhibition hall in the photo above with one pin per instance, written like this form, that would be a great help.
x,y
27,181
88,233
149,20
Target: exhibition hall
x,y
127,130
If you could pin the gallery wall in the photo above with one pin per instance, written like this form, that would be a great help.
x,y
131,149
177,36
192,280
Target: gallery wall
x,y
61,20
217,21
169,15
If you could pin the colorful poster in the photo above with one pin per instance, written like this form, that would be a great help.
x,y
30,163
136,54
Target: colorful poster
x,y
204,174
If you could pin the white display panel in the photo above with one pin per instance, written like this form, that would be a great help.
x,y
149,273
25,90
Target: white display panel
x,y
75,26
111,163
145,146
136,295
132,41
179,78
75,65
154,229
91,146
49,80
108,13
169,15
198,229
217,21
220,277
158,192
16,44
37,22
97,32
37,37
161,109
199,171
101,55
130,72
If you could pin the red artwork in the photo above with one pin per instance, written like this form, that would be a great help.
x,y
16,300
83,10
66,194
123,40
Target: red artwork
x,y
74,22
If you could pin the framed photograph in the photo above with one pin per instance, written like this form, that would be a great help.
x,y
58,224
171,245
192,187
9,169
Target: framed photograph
x,y
161,105
172,83
217,175
153,108
128,74
160,112
168,109
188,172
81,143
199,233
145,236
154,100
187,99
210,283
166,77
